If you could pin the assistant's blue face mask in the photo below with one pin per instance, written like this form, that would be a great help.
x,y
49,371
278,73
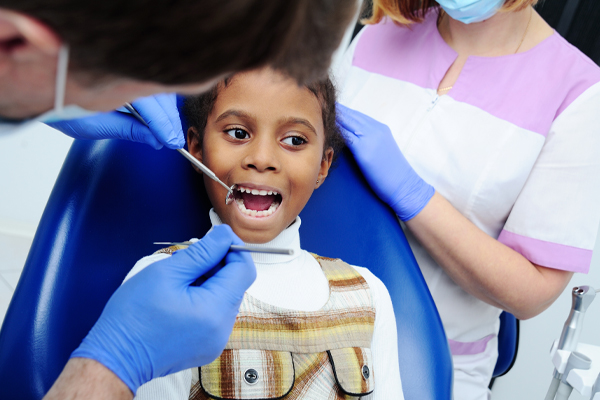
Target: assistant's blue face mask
x,y
470,11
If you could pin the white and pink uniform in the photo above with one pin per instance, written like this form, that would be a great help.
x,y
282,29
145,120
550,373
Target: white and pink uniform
x,y
514,146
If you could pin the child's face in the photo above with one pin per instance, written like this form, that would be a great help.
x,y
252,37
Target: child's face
x,y
265,134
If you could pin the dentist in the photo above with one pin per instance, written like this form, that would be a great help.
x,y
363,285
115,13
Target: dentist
x,y
60,59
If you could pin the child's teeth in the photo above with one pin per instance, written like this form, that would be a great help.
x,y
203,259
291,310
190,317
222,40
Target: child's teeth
x,y
256,192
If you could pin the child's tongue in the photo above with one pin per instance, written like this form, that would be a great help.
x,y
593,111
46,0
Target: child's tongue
x,y
256,202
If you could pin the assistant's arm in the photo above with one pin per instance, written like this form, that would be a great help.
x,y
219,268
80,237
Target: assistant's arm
x,y
480,264
158,322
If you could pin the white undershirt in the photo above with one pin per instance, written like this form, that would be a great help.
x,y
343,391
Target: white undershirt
x,y
297,282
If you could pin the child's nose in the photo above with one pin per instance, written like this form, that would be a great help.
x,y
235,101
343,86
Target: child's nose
x,y
262,156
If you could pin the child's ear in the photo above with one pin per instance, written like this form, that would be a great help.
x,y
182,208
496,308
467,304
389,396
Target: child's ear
x,y
194,145
325,165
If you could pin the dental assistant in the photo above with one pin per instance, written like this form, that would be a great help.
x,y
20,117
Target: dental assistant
x,y
478,124
138,336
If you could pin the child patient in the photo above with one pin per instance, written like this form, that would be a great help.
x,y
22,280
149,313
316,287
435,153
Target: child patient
x,y
309,327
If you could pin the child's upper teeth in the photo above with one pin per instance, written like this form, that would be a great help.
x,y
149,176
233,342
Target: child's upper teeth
x,y
256,192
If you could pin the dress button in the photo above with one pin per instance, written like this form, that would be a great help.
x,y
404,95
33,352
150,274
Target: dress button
x,y
251,376
366,372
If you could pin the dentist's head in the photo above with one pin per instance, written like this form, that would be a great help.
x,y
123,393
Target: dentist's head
x,y
119,51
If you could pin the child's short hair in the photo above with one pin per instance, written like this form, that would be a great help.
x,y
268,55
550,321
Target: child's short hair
x,y
197,108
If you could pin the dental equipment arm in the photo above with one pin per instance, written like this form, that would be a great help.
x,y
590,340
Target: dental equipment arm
x,y
582,297
576,361
163,129
596,389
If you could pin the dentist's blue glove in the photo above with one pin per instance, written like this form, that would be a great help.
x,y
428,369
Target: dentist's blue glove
x,y
156,323
383,164
159,111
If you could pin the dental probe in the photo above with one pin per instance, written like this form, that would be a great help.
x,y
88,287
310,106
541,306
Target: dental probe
x,y
235,247
190,158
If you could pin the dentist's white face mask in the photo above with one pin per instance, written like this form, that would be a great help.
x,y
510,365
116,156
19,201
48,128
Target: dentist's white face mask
x,y
60,112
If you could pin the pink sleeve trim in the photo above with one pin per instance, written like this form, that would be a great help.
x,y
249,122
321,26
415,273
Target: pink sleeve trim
x,y
548,254
469,348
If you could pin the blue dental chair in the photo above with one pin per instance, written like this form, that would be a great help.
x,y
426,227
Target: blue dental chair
x,y
112,199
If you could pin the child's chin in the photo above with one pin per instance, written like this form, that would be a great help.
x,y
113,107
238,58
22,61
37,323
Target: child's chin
x,y
255,236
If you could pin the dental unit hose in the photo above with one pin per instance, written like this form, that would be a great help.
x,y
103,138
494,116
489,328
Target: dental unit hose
x,y
582,297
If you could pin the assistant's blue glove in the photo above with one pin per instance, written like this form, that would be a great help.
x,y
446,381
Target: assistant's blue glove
x,y
159,111
383,164
156,323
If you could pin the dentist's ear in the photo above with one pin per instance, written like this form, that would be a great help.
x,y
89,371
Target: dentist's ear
x,y
194,146
23,38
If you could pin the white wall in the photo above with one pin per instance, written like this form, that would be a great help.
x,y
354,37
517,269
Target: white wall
x,y
29,163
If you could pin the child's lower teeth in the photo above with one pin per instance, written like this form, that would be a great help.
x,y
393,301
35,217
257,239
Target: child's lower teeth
x,y
255,213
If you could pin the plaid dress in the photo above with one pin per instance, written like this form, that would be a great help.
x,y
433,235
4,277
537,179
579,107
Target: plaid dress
x,y
277,353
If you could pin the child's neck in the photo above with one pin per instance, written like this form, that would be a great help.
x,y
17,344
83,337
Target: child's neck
x,y
289,238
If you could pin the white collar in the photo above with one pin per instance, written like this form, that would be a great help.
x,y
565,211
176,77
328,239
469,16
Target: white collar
x,y
289,238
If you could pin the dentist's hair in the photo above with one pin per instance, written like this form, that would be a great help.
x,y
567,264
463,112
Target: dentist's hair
x,y
405,12
193,41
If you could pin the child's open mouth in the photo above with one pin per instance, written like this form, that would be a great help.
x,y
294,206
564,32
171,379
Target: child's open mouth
x,y
256,202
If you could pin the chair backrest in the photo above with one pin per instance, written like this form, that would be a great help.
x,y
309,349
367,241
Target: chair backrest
x,y
113,199
508,344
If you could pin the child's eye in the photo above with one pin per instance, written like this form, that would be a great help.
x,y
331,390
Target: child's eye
x,y
237,133
294,141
